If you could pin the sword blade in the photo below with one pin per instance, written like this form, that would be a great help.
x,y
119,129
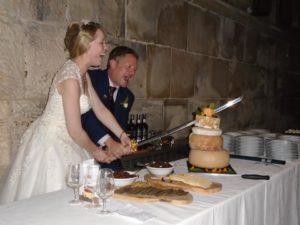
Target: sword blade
x,y
188,124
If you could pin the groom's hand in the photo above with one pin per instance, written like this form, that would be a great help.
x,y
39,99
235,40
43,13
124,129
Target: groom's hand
x,y
103,156
115,148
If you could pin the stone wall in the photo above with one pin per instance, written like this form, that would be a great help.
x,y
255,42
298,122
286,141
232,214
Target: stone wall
x,y
192,52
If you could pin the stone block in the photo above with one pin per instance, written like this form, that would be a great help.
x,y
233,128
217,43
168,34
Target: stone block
x,y
11,60
78,10
5,143
153,109
203,31
35,10
142,20
248,80
288,85
266,53
282,56
273,114
233,36
172,26
213,78
44,55
270,83
250,113
5,110
294,58
185,68
144,17
27,109
3,172
251,45
112,16
175,114
243,5
159,72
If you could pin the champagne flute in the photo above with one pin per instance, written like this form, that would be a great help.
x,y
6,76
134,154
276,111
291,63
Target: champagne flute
x,y
90,180
74,181
105,187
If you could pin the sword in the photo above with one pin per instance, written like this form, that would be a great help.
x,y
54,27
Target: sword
x,y
188,124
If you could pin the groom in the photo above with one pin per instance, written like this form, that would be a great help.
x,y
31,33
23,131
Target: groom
x,y
111,86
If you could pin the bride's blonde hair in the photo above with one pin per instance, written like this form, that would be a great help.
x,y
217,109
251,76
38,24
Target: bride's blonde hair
x,y
78,37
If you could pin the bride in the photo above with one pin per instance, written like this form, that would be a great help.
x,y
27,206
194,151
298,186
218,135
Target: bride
x,y
57,138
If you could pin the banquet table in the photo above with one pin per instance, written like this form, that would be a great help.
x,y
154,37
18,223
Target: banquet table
x,y
240,202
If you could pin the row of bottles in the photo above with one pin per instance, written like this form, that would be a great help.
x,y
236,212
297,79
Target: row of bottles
x,y
137,127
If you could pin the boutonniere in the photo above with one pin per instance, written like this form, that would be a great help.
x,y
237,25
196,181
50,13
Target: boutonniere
x,y
125,103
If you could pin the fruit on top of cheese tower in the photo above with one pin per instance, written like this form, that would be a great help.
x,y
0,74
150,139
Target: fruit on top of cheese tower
x,y
206,117
206,142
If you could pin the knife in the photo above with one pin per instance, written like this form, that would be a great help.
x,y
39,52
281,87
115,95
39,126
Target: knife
x,y
186,125
256,177
258,159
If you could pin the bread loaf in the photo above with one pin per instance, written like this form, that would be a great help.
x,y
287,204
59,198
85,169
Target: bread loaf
x,y
191,179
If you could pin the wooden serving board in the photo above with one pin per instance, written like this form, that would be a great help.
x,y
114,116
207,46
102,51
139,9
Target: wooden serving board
x,y
147,192
165,181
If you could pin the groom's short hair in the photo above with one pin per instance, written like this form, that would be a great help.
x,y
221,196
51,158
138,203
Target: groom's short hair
x,y
119,52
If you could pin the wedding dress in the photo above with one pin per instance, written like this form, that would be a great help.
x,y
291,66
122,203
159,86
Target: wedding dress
x,y
46,148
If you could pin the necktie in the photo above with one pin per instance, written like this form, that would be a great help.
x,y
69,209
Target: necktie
x,y
111,102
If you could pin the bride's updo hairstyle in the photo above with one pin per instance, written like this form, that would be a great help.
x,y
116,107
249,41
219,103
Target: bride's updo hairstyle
x,y
78,37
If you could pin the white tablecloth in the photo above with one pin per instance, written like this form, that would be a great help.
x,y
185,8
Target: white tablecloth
x,y
240,202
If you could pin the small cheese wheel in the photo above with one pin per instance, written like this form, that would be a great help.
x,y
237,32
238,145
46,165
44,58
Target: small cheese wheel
x,y
207,122
206,131
209,159
208,143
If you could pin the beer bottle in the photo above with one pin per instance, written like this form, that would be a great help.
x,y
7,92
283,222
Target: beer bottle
x,y
132,127
129,127
144,127
138,128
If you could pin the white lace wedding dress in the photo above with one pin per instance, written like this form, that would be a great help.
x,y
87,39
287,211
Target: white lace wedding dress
x,y
46,148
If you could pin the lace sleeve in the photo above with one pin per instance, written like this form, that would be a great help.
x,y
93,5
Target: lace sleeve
x,y
68,71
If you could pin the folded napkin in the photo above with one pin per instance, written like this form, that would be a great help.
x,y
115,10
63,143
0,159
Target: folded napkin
x,y
134,212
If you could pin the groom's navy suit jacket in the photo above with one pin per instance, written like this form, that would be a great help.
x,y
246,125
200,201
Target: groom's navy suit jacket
x,y
123,103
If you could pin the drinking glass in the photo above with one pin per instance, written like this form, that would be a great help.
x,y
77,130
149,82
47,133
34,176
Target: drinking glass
x,y
105,187
74,181
90,180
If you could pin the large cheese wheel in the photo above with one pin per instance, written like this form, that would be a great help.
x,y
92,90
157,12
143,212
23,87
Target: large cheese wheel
x,y
209,159
203,142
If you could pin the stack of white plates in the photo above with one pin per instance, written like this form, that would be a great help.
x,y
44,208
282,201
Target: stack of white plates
x,y
248,132
269,135
293,138
233,134
259,131
228,142
282,149
249,145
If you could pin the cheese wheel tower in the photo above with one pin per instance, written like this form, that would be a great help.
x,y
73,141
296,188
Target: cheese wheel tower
x,y
206,142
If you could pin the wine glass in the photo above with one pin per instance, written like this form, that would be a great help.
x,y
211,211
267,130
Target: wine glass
x,y
74,181
90,180
105,187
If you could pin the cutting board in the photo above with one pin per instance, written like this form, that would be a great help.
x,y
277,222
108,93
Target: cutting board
x,y
215,187
148,192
